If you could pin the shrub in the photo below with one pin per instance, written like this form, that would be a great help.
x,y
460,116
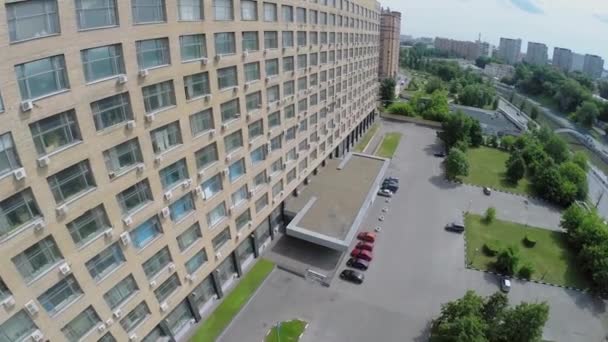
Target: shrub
x,y
491,248
400,108
526,271
529,242
490,215
507,261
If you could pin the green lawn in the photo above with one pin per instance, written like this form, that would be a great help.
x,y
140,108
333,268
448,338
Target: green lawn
x,y
367,137
551,257
487,168
290,331
389,145
232,304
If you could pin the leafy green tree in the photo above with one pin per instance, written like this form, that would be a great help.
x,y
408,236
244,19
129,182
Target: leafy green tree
x,y
572,172
495,103
456,128
471,304
490,215
569,95
387,90
580,159
401,108
461,329
547,183
456,164
516,168
507,142
494,306
475,134
555,146
525,322
587,113
572,218
437,108
476,95
482,61
603,89
507,260
534,112
433,84
526,271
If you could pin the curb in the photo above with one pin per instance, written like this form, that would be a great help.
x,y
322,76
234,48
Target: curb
x,y
503,191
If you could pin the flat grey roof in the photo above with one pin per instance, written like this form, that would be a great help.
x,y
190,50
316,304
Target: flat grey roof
x,y
327,208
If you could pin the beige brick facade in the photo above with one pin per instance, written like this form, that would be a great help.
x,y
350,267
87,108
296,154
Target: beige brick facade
x,y
390,30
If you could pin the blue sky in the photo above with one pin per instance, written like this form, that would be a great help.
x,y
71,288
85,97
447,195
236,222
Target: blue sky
x,y
580,25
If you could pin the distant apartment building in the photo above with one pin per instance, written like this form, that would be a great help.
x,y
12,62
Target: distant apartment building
x,y
499,71
593,66
536,54
509,50
578,62
485,49
562,58
390,28
460,48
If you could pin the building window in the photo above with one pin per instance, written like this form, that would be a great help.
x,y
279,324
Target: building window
x,y
111,111
258,155
249,10
157,262
135,197
212,186
196,262
145,233
288,64
4,291
270,12
17,211
60,295
173,174
272,94
290,134
239,196
277,188
193,47
301,38
287,39
157,334
71,182
302,83
96,13
261,203
165,289
201,122
153,53
230,110
1,104
42,77
89,225
81,325
314,59
271,40
289,111
233,142
252,71
223,10
301,15
148,11
9,160
243,219
136,316
32,19
288,87
314,38
166,137
190,10
221,239
105,262
250,41
122,157
189,237
37,258
206,156
236,170
158,96
291,154
18,328
55,132
302,105
217,214
276,166
196,85
227,77
253,101
287,13
291,175
259,179
302,61
181,208
255,129
276,143
122,291
225,43
102,62
274,119
272,67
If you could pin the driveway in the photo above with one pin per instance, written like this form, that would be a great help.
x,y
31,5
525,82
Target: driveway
x,y
417,266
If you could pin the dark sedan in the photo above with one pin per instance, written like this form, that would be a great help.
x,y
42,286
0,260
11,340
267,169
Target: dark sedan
x,y
352,276
359,264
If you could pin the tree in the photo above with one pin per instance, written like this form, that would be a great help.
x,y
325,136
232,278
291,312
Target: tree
x,y
476,95
572,172
482,61
490,215
494,306
475,134
507,142
507,261
456,128
495,104
555,146
456,164
516,168
461,329
525,322
569,95
534,112
587,113
572,218
401,108
387,90
437,109
580,159
432,85
603,89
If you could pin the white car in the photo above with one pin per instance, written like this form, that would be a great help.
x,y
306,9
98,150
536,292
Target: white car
x,y
385,193
505,285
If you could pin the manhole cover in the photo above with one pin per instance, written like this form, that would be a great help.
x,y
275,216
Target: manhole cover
x,y
381,218
378,229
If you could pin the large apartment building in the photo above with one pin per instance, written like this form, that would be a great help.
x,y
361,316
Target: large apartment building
x,y
537,54
147,147
562,58
593,66
460,48
509,50
390,29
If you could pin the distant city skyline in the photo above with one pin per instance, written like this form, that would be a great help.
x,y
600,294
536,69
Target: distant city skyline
x,y
579,26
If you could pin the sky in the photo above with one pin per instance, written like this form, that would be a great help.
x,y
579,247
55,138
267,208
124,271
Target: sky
x,y
579,25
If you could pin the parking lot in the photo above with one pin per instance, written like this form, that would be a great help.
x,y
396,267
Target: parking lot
x,y
416,267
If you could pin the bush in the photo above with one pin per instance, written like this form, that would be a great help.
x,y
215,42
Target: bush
x,y
400,108
490,215
529,242
507,261
491,248
526,271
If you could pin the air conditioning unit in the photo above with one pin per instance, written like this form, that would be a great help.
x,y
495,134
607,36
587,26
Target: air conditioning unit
x,y
44,161
228,159
198,190
117,313
122,79
37,336
211,132
64,269
8,302
270,132
218,57
207,97
26,106
249,224
153,284
158,159
168,195
127,221
19,174
268,79
39,225
218,255
61,210
101,328
191,277
108,232
172,267
150,117
144,72
141,167
245,53
165,212
268,148
235,90
32,308
224,127
204,61
131,124
246,86
250,194
284,166
238,235
187,183
133,337
265,51
225,172
164,306
201,173
125,238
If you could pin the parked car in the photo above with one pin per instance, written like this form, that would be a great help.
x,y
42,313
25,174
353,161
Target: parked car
x,y
385,193
368,246
487,191
455,227
440,154
352,276
362,254
359,264
392,179
505,285
390,186
367,236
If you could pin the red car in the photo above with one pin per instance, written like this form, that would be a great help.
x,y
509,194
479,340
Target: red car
x,y
367,236
368,246
362,254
